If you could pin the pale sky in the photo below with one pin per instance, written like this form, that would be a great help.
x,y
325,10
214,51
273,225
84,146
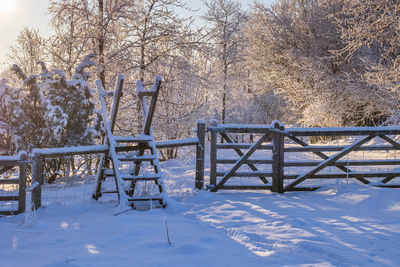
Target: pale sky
x,y
16,14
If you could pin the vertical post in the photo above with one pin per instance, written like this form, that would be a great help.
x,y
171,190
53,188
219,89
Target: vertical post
x,y
213,156
278,159
22,182
37,181
115,104
200,151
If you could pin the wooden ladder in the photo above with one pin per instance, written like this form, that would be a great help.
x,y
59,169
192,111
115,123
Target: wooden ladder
x,y
128,154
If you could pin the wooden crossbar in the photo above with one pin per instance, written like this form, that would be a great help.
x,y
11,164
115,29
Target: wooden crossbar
x,y
329,160
240,153
239,163
325,157
397,146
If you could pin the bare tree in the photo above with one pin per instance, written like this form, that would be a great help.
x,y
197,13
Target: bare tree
x,y
84,27
30,48
226,19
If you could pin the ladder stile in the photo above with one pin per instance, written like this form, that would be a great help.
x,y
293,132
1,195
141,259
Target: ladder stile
x,y
130,151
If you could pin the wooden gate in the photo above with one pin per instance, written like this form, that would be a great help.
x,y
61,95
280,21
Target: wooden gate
x,y
260,169
373,153
13,188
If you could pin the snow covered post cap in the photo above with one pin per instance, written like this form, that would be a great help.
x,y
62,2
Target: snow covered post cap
x,y
22,153
213,122
278,125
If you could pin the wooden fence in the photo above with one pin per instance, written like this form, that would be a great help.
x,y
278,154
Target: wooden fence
x,y
8,164
266,156
277,143
40,155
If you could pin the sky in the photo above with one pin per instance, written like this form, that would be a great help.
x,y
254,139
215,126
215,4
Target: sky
x,y
17,14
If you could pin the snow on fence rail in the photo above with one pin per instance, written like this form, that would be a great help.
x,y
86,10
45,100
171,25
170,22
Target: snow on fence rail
x,y
271,156
13,184
58,189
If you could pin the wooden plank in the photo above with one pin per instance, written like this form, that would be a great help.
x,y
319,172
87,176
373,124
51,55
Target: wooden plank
x,y
344,131
315,162
241,161
241,146
245,187
345,163
22,183
309,148
247,174
240,153
323,156
278,162
249,161
213,157
70,151
150,112
8,163
145,93
242,128
9,198
331,131
390,141
3,170
9,181
8,212
304,189
325,163
37,177
347,175
388,185
132,148
200,152
178,142
117,95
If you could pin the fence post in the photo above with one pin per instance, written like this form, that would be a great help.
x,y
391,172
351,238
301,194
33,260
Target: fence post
x,y
200,151
22,182
278,158
213,156
37,181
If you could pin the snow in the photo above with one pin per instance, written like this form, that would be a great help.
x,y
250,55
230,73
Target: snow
x,y
73,149
342,224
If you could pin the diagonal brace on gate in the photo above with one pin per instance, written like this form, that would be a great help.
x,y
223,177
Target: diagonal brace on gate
x,y
323,156
240,153
396,145
328,161
242,160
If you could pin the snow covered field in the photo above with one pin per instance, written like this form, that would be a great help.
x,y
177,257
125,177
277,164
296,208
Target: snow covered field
x,y
342,224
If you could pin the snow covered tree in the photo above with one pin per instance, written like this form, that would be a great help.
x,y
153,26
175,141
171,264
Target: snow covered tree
x,y
292,48
47,110
371,35
92,26
226,19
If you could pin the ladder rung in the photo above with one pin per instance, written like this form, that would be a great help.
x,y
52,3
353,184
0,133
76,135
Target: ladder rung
x,y
159,198
137,158
132,148
109,192
141,177
9,198
145,93
9,181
